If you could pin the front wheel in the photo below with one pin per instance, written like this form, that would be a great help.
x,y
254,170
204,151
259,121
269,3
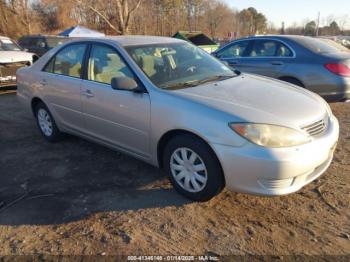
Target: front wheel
x,y
46,123
193,168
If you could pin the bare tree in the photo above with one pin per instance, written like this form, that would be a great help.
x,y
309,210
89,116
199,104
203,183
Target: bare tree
x,y
124,11
16,17
216,13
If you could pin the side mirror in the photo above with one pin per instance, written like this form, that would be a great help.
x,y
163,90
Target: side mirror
x,y
225,63
125,83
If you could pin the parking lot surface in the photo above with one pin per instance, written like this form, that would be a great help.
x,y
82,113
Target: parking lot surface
x,y
76,197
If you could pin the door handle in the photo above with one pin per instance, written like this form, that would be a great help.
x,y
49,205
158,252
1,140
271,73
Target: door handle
x,y
88,93
276,63
233,63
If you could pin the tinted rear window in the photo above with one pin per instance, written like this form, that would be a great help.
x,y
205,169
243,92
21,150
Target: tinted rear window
x,y
320,45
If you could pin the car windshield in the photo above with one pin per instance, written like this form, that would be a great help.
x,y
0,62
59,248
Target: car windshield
x,y
335,44
178,65
321,45
53,42
8,45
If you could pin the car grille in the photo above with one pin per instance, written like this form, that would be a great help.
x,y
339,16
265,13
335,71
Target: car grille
x,y
8,71
316,128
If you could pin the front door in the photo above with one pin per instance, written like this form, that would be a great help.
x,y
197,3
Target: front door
x,y
234,53
117,117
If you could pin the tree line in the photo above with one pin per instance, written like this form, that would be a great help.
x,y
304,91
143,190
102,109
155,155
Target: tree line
x,y
146,17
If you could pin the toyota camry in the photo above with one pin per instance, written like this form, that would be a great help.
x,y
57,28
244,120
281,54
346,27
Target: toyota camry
x,y
171,104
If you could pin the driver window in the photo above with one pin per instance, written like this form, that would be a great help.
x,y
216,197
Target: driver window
x,y
105,64
234,50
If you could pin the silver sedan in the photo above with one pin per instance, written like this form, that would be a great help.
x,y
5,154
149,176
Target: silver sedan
x,y
319,65
176,107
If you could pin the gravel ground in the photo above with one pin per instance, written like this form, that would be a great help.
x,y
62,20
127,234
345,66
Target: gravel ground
x,y
79,198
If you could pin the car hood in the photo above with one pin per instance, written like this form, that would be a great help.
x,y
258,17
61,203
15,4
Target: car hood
x,y
251,98
15,56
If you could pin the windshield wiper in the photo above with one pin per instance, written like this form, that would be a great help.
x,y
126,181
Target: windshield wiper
x,y
198,82
214,78
180,85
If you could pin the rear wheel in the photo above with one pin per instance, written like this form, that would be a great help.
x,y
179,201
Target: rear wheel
x,y
193,168
46,123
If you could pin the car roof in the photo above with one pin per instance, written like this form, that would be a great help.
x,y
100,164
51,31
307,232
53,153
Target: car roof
x,y
44,36
142,40
130,40
291,37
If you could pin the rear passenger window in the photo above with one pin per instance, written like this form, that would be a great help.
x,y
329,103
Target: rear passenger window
x,y
32,41
264,48
270,48
68,61
105,64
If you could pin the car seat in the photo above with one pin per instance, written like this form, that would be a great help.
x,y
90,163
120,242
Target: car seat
x,y
148,65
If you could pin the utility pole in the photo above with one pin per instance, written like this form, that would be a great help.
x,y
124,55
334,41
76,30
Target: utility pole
x,y
318,24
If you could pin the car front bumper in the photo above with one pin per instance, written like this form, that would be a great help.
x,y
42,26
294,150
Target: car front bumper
x,y
8,82
8,72
277,171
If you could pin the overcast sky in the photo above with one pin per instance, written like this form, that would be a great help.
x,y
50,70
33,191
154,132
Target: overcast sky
x,y
297,11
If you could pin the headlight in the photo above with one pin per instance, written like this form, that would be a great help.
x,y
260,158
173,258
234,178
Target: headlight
x,y
270,135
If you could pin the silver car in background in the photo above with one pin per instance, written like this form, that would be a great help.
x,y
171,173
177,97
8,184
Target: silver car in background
x,y
319,65
176,107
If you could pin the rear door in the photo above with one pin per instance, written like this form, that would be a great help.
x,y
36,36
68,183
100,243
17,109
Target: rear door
x,y
267,57
61,81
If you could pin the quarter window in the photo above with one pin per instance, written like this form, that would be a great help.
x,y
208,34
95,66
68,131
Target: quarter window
x,y
68,61
234,50
284,51
105,64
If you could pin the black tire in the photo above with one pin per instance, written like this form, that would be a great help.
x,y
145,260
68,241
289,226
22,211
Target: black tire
x,y
293,81
55,135
215,178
